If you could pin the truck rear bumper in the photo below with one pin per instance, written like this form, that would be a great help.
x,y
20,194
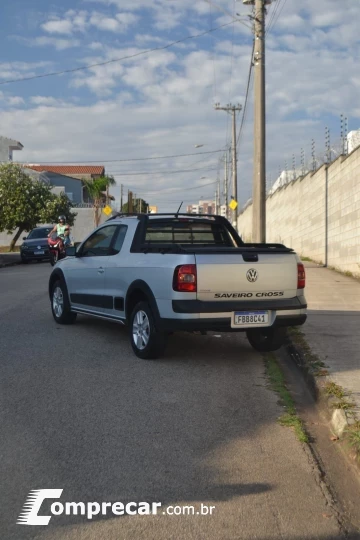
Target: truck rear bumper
x,y
223,324
198,306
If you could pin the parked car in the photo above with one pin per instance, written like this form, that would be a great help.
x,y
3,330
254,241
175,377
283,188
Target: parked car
x,y
160,274
35,245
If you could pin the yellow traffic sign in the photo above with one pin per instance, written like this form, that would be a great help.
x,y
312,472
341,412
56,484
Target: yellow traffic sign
x,y
233,205
107,210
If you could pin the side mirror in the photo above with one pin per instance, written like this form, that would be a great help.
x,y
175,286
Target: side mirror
x,y
70,251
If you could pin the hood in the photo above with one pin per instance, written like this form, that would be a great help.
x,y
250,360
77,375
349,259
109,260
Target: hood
x,y
42,242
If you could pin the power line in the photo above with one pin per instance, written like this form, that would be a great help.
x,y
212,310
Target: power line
x,y
166,172
247,93
176,190
123,160
275,15
106,62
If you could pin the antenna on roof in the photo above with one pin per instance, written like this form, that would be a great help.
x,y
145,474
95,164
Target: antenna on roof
x,y
179,208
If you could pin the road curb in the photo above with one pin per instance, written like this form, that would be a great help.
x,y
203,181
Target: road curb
x,y
13,263
340,420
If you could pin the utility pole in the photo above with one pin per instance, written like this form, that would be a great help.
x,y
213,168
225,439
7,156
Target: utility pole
x,y
226,185
121,197
259,179
232,109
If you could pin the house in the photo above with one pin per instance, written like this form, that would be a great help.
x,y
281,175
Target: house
x,y
7,146
72,187
83,172
57,175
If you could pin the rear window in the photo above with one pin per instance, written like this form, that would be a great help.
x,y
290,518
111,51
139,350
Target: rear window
x,y
187,233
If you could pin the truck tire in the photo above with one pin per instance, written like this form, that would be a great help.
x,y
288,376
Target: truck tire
x,y
266,339
147,342
60,306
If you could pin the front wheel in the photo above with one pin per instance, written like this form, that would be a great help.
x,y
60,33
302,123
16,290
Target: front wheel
x,y
54,257
266,339
147,342
60,306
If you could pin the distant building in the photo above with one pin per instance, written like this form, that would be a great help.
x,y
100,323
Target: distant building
x,y
7,146
153,209
204,207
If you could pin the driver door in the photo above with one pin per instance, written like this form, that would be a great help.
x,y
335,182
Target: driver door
x,y
85,273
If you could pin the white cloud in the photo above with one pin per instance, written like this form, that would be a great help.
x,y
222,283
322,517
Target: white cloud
x,y
46,101
119,23
15,101
58,27
60,44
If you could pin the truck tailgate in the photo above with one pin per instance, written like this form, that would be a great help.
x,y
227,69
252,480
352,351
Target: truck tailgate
x,y
229,277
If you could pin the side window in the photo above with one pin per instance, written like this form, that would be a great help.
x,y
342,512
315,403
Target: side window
x,y
119,240
99,243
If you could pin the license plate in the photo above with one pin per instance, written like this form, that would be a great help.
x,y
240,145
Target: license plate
x,y
250,318
39,252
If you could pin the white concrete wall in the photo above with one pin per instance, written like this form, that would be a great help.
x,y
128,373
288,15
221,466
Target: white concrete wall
x,y
84,224
296,215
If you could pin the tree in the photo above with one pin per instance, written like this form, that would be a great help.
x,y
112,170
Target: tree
x,y
57,206
138,205
98,190
24,202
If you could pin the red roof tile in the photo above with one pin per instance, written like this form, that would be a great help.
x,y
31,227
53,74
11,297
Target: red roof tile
x,y
69,169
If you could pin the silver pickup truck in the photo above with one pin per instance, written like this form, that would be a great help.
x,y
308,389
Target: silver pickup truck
x,y
161,273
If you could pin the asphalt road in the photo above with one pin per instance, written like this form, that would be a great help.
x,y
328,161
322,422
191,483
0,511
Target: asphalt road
x,y
80,412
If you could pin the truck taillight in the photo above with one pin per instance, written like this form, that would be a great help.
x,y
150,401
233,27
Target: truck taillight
x,y
301,276
185,278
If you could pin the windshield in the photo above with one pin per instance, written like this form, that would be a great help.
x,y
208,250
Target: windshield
x,y
39,233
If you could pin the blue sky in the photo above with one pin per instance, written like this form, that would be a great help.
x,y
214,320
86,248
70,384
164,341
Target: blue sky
x,y
162,103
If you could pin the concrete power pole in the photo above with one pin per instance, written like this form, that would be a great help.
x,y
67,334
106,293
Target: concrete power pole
x,y
259,179
233,109
226,185
121,197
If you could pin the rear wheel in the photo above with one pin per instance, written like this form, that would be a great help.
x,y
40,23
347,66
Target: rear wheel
x,y
266,339
147,342
60,306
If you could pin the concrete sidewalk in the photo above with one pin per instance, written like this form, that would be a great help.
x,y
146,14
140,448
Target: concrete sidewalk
x,y
333,326
9,259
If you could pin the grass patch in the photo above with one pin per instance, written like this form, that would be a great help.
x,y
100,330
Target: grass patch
x,y
278,384
333,389
5,249
313,362
306,259
353,433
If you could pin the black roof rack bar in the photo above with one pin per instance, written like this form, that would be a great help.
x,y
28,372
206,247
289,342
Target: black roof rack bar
x,y
138,214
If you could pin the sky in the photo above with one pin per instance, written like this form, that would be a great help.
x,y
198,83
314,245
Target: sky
x,y
161,103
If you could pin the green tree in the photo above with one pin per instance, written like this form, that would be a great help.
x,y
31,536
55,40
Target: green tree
x,y
57,206
24,203
137,205
98,191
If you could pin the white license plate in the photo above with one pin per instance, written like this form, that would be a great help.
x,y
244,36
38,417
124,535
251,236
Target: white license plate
x,y
250,318
39,252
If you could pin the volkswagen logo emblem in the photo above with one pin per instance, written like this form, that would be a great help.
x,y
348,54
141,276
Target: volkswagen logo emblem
x,y
251,275
39,247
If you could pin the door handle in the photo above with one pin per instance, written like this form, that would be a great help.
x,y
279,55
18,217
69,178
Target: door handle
x,y
101,270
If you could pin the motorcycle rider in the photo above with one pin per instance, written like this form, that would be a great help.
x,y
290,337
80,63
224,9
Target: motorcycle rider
x,y
62,229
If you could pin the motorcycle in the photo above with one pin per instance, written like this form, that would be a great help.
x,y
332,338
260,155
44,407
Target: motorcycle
x,y
56,248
